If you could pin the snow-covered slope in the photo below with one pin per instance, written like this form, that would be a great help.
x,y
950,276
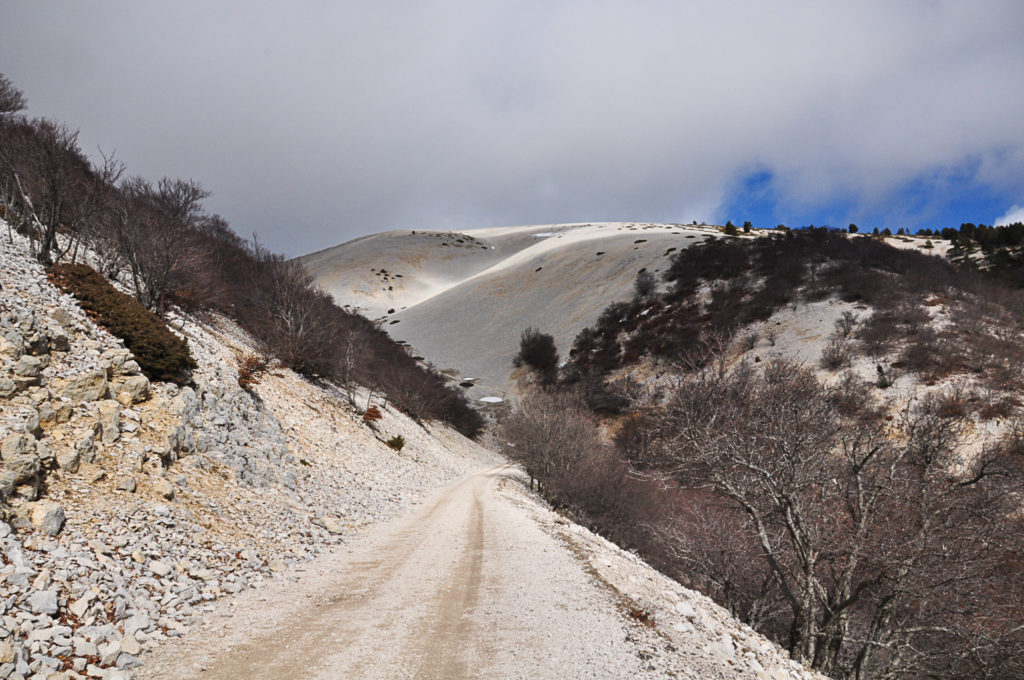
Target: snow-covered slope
x,y
461,299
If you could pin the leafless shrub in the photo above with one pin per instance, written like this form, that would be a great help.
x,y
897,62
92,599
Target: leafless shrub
x,y
955,401
879,333
922,353
911,316
850,395
997,406
846,323
550,434
837,353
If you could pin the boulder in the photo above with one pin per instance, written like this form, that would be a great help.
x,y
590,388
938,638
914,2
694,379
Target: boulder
x,y
17,444
45,453
58,338
86,446
160,568
129,645
11,345
109,419
7,387
47,517
28,366
126,483
136,386
37,344
88,386
16,469
62,316
164,488
53,413
108,652
137,622
81,606
69,460
114,359
30,421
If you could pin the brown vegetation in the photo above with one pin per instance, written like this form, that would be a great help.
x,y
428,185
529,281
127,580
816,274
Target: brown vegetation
x,y
161,354
862,544
251,369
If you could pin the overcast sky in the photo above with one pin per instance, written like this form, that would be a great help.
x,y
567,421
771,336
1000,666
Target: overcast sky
x,y
316,122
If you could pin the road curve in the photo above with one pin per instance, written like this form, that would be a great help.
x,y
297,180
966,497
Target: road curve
x,y
466,585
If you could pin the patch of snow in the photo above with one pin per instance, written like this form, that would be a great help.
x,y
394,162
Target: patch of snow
x,y
492,400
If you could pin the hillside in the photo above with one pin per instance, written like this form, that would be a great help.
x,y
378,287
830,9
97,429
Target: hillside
x,y
144,518
822,432
138,511
461,299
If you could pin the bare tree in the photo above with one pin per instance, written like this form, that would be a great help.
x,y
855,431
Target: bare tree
x,y
156,229
550,435
293,318
51,188
11,98
871,547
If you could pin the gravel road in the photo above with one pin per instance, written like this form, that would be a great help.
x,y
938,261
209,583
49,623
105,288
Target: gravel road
x,y
466,585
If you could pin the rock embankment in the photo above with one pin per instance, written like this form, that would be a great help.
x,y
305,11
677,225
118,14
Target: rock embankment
x,y
129,507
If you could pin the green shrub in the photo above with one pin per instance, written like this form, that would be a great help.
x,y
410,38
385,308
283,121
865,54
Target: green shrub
x,y
537,350
160,353
396,442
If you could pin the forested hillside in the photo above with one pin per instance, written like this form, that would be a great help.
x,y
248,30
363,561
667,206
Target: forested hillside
x,y
820,431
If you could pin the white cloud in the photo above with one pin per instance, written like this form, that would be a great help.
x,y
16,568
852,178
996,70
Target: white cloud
x,y
1012,216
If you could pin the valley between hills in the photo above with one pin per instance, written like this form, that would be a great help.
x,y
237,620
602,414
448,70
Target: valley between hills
x,y
282,526
211,531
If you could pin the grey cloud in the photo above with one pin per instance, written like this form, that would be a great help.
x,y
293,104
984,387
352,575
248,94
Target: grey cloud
x,y
316,122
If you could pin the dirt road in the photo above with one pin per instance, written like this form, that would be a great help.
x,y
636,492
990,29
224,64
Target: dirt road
x,y
467,585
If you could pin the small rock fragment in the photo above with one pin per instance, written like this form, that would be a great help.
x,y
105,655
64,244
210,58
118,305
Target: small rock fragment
x,y
160,568
126,483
